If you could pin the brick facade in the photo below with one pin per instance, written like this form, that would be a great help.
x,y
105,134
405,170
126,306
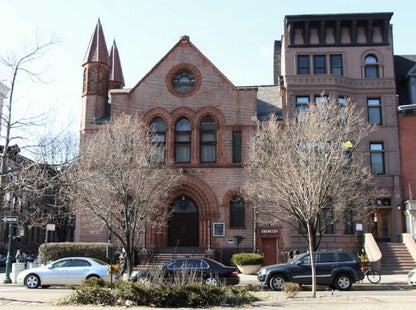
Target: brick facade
x,y
211,186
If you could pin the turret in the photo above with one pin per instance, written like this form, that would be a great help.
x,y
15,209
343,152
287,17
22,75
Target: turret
x,y
95,82
115,79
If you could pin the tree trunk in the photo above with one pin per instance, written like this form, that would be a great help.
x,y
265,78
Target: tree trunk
x,y
311,252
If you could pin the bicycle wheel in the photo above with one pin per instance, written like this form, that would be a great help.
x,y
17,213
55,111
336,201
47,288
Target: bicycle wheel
x,y
373,276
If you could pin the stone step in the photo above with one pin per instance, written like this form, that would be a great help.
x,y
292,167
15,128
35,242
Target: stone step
x,y
396,258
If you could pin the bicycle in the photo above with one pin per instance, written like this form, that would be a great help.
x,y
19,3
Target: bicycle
x,y
373,276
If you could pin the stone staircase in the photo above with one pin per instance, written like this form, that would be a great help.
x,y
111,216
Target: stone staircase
x,y
396,258
165,254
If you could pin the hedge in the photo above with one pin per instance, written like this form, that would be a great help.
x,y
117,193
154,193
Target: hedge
x,y
56,250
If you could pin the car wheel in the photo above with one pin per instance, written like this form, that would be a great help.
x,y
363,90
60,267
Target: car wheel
x,y
93,276
211,281
343,282
276,282
32,280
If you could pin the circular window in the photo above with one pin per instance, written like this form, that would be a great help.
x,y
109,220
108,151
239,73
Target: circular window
x,y
183,80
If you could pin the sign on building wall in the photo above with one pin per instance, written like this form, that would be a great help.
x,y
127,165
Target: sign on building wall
x,y
219,229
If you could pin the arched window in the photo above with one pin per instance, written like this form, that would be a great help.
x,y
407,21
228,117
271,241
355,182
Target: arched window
x,y
208,141
371,66
237,212
183,141
158,136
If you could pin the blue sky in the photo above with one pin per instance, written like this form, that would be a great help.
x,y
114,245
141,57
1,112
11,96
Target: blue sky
x,y
236,35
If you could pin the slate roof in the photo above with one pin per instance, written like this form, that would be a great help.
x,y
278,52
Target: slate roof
x,y
403,65
97,48
269,102
116,73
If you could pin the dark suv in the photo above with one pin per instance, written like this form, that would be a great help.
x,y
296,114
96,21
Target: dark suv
x,y
337,269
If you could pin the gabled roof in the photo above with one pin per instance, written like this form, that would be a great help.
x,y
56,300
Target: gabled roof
x,y
184,41
97,49
116,73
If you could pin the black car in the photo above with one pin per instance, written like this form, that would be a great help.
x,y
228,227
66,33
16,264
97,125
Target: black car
x,y
337,269
189,269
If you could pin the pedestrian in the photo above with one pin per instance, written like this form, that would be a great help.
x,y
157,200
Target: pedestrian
x,y
19,257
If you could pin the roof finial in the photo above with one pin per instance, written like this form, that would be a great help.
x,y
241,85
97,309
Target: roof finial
x,y
184,38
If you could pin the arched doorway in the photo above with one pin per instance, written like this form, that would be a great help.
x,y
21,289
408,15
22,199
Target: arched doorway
x,y
183,225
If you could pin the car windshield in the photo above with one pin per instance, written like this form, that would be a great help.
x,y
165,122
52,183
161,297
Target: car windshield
x,y
294,258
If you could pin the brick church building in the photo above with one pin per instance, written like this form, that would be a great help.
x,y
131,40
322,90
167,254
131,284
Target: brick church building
x,y
206,124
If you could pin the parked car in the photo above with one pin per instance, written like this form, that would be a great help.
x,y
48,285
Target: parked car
x,y
65,271
411,277
337,269
190,269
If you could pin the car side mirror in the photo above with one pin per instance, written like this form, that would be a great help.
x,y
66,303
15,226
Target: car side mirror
x,y
50,266
299,262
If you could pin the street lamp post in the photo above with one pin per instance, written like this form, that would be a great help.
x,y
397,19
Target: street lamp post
x,y
254,179
8,261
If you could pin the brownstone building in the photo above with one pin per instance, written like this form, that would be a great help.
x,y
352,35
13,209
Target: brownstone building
x,y
349,55
206,125
405,68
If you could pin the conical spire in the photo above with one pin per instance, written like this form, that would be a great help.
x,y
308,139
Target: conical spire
x,y
116,73
97,49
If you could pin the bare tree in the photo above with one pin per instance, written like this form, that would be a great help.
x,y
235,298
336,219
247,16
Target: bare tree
x,y
36,192
16,65
310,171
121,183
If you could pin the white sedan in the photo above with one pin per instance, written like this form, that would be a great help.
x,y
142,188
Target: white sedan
x,y
65,271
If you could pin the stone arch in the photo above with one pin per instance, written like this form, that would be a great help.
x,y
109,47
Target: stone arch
x,y
183,112
230,193
371,51
201,193
210,111
157,112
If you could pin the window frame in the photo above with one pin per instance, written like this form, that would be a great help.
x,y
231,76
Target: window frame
x,y
237,143
302,105
373,153
342,106
237,212
329,229
374,107
371,67
303,68
208,143
182,143
334,66
160,157
321,67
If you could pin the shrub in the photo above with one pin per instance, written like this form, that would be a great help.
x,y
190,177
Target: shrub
x,y
242,259
290,289
169,296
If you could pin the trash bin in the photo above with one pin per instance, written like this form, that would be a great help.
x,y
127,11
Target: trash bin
x,y
16,269
33,265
